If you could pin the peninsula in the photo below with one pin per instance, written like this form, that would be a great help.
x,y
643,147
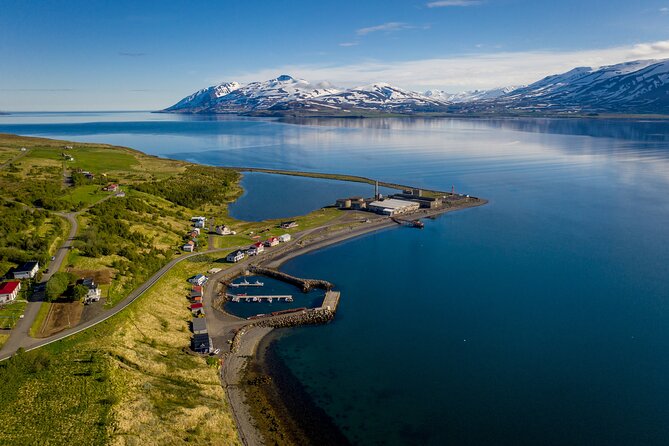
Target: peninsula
x,y
114,236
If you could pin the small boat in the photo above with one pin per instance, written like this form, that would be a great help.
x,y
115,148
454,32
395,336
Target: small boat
x,y
269,299
255,299
289,299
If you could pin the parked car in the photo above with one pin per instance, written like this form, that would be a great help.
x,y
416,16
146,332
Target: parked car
x,y
53,258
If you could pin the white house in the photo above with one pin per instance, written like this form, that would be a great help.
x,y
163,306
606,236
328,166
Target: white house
x,y
200,279
235,256
272,241
224,230
9,291
198,222
189,247
256,249
284,238
27,270
94,292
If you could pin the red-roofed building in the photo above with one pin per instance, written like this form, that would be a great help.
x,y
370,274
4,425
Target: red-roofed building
x,y
197,308
272,241
256,249
9,291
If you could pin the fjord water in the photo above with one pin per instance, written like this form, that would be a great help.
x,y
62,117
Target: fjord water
x,y
540,318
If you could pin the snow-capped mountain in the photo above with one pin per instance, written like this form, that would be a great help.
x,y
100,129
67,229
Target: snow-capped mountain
x,y
205,98
469,96
252,97
286,93
378,96
631,87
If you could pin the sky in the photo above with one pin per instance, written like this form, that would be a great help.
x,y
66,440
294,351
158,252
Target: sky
x,y
146,55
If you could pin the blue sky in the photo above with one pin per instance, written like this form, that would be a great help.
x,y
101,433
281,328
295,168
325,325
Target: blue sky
x,y
129,55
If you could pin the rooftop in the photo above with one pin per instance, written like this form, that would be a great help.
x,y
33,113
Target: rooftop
x,y
28,266
391,203
9,287
199,324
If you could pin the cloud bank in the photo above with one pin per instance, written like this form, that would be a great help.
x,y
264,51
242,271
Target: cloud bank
x,y
458,73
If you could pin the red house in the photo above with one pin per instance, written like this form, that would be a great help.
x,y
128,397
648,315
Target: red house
x,y
9,291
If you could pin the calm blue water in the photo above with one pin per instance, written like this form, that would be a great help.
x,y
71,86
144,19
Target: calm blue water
x,y
541,318
281,196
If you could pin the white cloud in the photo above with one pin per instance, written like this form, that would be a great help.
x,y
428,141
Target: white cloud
x,y
458,73
349,43
388,27
664,10
446,3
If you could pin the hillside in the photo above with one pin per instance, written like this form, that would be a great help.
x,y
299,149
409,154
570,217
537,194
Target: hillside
x,y
637,87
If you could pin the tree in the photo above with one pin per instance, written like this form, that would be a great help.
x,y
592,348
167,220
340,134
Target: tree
x,y
58,284
79,292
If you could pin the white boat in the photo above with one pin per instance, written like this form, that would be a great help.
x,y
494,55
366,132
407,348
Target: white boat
x,y
269,299
255,299
289,299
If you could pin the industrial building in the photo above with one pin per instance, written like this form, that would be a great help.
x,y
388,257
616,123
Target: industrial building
x,y
355,203
393,206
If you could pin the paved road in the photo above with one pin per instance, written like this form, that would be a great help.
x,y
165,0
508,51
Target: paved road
x,y
12,160
20,334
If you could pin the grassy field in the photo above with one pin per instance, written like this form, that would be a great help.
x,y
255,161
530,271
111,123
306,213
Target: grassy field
x,y
85,194
3,339
129,380
10,313
39,319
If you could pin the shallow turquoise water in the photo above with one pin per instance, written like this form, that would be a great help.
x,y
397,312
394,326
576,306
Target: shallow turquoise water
x,y
541,318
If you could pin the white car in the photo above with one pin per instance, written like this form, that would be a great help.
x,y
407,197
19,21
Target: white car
x,y
53,258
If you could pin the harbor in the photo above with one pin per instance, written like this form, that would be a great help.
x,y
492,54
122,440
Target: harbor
x,y
271,298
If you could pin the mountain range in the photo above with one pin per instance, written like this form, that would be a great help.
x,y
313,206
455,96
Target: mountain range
x,y
638,87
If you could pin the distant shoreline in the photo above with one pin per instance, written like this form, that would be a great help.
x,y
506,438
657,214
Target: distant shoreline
x,y
377,115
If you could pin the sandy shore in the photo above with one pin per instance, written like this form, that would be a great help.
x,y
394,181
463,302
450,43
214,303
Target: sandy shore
x,y
236,362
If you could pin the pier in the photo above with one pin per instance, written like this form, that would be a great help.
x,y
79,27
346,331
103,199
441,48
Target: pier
x,y
268,298
411,223
305,284
246,283
331,301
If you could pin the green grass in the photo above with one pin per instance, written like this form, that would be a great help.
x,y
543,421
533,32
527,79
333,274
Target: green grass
x,y
124,381
86,194
10,313
101,160
3,339
39,319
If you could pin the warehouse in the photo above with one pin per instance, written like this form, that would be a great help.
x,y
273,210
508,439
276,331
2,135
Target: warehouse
x,y
393,206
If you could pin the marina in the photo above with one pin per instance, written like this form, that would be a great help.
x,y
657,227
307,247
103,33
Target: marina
x,y
269,298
